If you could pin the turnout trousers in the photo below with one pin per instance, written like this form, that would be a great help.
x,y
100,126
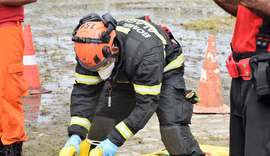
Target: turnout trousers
x,y
174,113
249,121
12,85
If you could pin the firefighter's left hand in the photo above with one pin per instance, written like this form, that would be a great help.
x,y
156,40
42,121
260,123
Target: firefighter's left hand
x,y
108,148
193,97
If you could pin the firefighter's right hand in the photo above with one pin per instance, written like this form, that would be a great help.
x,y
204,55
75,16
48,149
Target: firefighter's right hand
x,y
75,141
108,148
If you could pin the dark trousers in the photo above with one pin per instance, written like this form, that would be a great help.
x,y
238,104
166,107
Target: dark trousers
x,y
249,122
174,113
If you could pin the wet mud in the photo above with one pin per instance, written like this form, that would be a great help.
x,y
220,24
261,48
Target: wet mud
x,y
52,23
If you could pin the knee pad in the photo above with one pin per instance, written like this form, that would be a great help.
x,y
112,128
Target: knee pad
x,y
178,140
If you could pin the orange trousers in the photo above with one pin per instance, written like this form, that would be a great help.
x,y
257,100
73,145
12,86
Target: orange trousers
x,y
12,84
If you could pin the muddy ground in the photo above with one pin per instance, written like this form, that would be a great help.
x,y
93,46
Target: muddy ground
x,y
52,23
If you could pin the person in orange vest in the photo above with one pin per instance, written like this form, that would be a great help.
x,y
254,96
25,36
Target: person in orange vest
x,y
12,82
248,67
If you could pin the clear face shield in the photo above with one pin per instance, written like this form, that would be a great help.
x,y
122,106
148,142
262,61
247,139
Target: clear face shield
x,y
105,65
106,71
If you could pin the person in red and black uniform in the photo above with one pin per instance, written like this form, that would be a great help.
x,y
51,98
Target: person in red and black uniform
x,y
250,118
12,82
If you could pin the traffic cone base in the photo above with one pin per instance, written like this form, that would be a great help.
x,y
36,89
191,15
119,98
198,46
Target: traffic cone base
x,y
38,91
224,109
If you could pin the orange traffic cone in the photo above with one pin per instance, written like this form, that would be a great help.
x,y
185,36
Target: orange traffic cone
x,y
209,89
31,69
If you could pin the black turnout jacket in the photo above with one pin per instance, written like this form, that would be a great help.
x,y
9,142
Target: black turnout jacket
x,y
146,53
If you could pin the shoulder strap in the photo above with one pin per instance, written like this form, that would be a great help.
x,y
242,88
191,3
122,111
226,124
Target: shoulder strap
x,y
262,39
167,30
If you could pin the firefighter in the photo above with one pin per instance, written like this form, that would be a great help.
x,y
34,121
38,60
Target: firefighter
x,y
12,82
126,72
250,118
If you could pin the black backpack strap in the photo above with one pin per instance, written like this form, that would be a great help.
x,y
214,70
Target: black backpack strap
x,y
262,83
262,39
168,32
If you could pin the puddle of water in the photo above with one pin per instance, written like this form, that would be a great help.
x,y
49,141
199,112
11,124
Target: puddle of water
x,y
44,107
31,106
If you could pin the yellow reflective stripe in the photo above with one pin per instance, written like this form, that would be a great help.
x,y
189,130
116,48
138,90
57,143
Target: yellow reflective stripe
x,y
122,29
86,79
156,32
80,121
164,52
175,63
147,90
124,131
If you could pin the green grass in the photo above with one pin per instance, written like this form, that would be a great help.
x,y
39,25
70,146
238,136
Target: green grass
x,y
214,24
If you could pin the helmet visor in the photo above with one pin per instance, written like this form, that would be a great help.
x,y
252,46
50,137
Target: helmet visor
x,y
105,65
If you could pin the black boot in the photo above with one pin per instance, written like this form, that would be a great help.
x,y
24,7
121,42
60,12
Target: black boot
x,y
14,149
2,149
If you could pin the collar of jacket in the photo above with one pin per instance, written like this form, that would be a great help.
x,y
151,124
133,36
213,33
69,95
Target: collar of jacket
x,y
120,63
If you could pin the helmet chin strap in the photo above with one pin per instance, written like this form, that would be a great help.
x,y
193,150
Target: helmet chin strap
x,y
115,55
